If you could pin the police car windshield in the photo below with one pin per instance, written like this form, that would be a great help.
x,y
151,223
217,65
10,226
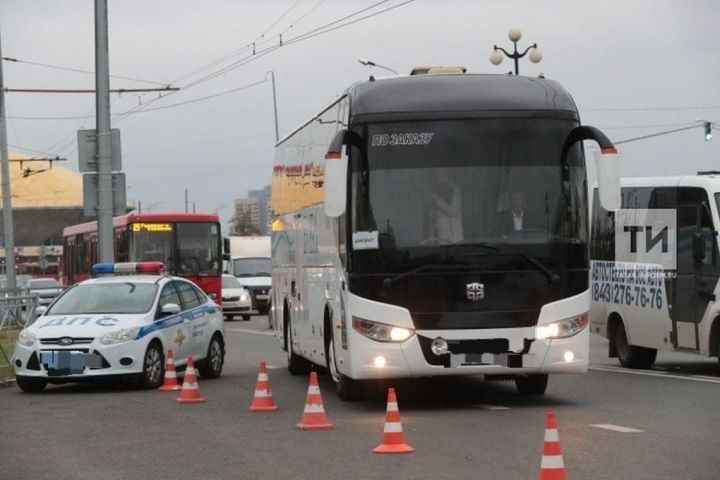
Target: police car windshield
x,y
119,298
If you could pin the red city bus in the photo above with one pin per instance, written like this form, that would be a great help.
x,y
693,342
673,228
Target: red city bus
x,y
189,244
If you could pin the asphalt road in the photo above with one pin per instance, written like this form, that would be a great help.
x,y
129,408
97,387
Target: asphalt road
x,y
659,424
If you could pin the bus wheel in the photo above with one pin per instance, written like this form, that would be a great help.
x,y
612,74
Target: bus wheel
x,y
631,356
296,364
346,387
534,384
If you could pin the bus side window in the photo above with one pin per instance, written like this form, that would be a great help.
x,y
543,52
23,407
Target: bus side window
x,y
689,203
121,245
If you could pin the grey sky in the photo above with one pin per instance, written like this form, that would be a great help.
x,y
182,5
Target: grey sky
x,y
610,55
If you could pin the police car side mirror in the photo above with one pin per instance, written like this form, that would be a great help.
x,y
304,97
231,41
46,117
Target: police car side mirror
x,y
170,309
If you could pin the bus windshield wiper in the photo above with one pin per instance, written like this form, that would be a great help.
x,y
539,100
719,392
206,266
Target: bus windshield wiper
x,y
389,281
551,276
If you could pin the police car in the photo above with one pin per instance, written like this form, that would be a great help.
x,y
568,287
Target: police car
x,y
116,324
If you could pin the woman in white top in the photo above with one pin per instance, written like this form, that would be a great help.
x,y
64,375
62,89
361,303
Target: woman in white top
x,y
445,211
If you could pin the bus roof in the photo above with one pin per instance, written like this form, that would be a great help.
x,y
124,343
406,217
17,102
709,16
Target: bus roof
x,y
144,217
458,93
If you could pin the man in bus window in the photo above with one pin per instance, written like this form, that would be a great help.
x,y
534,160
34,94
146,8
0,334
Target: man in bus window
x,y
515,218
445,222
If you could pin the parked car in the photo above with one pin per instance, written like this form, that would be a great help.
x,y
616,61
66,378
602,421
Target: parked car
x,y
236,299
47,289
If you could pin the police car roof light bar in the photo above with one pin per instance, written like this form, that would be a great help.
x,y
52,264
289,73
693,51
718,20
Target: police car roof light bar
x,y
127,268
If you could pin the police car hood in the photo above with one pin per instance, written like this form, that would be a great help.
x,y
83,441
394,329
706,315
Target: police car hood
x,y
84,325
263,281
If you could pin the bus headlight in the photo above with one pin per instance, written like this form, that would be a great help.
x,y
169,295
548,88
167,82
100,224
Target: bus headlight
x,y
562,329
381,332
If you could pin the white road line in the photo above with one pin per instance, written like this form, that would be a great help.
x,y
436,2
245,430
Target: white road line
x,y
616,428
493,407
649,373
243,330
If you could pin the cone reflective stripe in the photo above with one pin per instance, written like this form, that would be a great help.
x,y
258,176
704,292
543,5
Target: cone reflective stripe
x,y
263,400
393,438
552,466
170,383
190,392
314,417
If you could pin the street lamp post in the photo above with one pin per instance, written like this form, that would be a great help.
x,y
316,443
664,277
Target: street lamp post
x,y
272,77
514,35
370,63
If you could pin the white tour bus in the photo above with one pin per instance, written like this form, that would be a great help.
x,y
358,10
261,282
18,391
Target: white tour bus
x,y
643,306
395,249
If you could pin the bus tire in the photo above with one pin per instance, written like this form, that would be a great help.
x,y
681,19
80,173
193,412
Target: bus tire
x,y
631,356
534,384
296,364
346,388
31,384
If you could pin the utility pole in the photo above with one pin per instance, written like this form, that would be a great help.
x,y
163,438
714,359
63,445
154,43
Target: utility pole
x,y
277,133
8,234
186,200
106,250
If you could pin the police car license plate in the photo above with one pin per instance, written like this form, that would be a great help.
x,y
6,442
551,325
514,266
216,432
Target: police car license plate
x,y
67,362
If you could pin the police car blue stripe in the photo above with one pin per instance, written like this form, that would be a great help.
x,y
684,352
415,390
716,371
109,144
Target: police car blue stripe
x,y
193,314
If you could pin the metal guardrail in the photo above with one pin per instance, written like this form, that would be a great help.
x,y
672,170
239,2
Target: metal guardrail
x,y
17,309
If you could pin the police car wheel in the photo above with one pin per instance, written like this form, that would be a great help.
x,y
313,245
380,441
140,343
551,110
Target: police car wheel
x,y
30,384
153,367
212,365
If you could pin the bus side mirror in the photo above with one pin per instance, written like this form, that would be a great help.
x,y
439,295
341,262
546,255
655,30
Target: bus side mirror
x,y
608,178
605,163
335,181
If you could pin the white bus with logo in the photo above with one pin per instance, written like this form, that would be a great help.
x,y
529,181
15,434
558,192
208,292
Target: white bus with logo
x,y
641,302
397,247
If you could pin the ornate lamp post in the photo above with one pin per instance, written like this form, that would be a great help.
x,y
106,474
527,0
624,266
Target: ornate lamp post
x,y
514,35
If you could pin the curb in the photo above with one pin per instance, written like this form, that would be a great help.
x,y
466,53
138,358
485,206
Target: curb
x,y
7,383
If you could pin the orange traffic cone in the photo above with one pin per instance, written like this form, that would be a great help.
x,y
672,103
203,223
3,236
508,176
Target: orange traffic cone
x,y
552,466
190,392
393,439
314,414
263,400
170,382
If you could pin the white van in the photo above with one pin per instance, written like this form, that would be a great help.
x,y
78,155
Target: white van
x,y
641,306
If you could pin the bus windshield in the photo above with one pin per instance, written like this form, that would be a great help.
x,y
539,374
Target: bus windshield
x,y
489,182
190,248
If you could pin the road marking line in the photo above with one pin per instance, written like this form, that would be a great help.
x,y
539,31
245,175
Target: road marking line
x,y
654,374
243,330
493,407
616,428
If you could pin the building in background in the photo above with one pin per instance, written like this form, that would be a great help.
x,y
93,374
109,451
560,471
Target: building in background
x,y
45,199
252,215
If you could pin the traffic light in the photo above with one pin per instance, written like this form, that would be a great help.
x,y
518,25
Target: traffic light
x,y
708,131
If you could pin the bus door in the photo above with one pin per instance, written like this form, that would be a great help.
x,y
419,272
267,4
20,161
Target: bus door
x,y
697,266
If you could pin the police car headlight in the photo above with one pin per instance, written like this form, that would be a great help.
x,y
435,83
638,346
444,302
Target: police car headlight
x,y
563,329
119,336
381,332
26,338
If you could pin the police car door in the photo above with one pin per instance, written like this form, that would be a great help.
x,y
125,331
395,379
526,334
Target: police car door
x,y
176,331
193,319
